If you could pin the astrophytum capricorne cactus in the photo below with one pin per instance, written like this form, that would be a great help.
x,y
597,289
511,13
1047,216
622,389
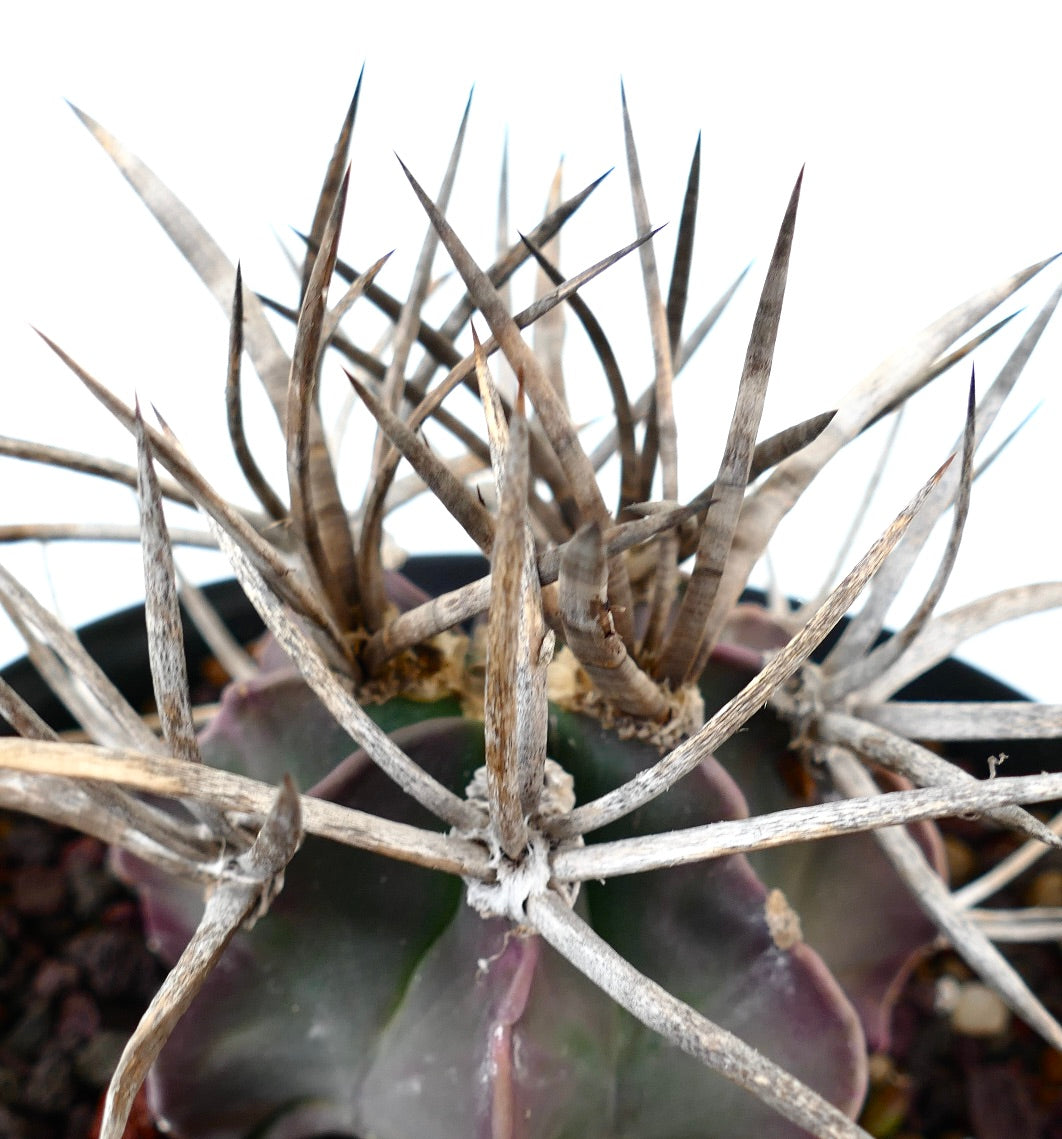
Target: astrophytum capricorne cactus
x,y
558,875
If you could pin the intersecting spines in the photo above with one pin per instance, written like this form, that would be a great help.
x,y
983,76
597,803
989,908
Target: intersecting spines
x,y
943,636
101,467
346,710
542,454
409,317
438,343
853,780
318,517
450,490
75,677
621,407
238,900
590,634
917,763
652,782
548,404
893,381
510,257
165,449
662,439
560,562
860,636
700,620
449,609
857,674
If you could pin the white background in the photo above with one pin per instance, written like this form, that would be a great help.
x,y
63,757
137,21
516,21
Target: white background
x,y
929,132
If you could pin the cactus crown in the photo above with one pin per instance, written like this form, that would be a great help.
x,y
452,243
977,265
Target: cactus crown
x,y
595,640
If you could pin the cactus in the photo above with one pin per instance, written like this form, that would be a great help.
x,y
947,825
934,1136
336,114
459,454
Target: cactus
x,y
590,845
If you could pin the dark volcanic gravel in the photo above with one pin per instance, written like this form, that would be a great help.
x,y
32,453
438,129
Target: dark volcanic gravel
x,y
75,975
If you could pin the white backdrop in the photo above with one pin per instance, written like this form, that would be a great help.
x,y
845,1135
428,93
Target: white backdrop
x,y
928,131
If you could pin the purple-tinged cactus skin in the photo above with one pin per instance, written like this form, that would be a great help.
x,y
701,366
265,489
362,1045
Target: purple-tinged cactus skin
x,y
583,847
827,882
356,1025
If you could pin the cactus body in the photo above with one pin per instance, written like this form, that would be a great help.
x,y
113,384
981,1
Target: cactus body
x,y
584,847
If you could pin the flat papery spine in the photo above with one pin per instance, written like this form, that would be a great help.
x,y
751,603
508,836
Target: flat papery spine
x,y
551,411
230,654
169,672
331,186
653,781
923,767
1005,871
944,634
515,698
317,511
241,448
679,287
345,709
642,407
621,406
698,624
510,459
165,633
500,273
855,525
589,631
109,813
894,380
966,719
450,609
665,580
232,521
83,764
205,256
447,488
103,468
88,685
409,319
548,336
838,685
861,635
600,860
544,461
